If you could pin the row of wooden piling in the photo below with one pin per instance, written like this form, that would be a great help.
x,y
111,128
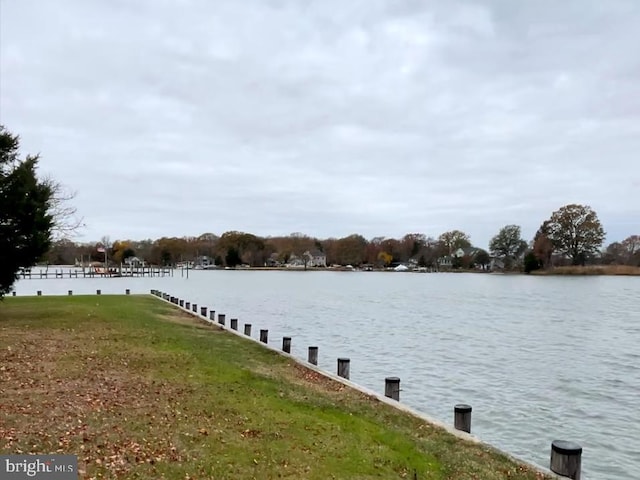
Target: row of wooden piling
x,y
566,457
70,292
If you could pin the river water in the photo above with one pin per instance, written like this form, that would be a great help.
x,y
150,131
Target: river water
x,y
538,358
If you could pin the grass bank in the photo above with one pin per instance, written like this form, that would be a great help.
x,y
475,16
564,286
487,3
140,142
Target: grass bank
x,y
138,389
590,270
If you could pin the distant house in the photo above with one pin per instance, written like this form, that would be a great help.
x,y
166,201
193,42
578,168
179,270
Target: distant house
x,y
204,261
295,261
445,262
273,261
133,261
455,259
310,258
316,258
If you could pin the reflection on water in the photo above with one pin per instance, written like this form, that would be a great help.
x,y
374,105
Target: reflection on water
x,y
539,358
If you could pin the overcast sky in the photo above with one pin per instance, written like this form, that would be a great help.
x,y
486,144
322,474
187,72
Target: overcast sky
x,y
174,118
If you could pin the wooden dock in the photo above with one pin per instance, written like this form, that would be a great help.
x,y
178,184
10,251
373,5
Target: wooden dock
x,y
97,272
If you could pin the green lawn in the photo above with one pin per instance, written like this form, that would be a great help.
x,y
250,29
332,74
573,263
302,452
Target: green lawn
x,y
138,389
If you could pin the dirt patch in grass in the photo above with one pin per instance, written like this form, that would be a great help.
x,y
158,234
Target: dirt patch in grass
x,y
76,400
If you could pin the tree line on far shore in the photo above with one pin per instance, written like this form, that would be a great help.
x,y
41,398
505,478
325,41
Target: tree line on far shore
x,y
573,235
34,213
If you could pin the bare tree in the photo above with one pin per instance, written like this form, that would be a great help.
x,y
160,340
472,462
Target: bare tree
x,y
66,222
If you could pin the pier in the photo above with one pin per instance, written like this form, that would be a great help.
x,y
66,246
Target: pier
x,y
97,272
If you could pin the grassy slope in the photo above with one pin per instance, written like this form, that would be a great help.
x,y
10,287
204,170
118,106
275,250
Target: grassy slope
x,y
138,389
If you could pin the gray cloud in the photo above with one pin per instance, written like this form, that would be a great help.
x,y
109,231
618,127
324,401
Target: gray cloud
x,y
378,117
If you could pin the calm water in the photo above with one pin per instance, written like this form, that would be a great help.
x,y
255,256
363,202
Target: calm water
x,y
537,358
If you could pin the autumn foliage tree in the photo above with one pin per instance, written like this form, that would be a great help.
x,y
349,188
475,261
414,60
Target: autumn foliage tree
x,y
576,232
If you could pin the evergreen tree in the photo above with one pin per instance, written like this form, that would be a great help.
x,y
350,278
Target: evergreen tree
x,y
25,221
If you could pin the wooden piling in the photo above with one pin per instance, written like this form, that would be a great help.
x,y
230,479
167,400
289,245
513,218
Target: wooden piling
x,y
247,329
212,315
312,357
234,324
187,305
203,311
343,367
286,344
392,388
462,417
221,318
181,303
194,307
264,336
566,459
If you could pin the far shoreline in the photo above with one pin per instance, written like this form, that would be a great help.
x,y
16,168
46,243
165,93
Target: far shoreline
x,y
569,270
590,270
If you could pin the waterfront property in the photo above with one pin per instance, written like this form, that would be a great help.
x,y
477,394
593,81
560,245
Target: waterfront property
x,y
136,388
539,358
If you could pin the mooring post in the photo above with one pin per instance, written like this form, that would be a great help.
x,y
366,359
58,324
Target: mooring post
x,y
247,329
264,336
566,458
127,292
221,318
392,388
343,367
212,315
462,417
312,357
181,303
194,307
234,324
39,293
203,311
98,292
187,305
286,344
